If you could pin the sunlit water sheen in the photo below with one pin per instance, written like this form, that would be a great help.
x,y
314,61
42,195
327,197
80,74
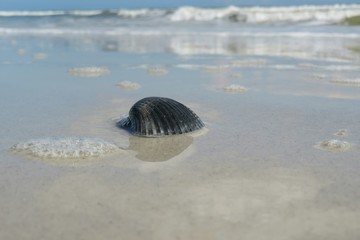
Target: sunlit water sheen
x,y
279,158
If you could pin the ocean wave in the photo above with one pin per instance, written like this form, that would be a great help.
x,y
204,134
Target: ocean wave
x,y
294,14
88,13
328,13
31,13
142,13
85,13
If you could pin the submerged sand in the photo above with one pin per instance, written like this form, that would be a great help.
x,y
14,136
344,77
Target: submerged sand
x,y
254,174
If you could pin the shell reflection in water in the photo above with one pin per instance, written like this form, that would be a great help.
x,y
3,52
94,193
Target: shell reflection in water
x,y
158,116
159,149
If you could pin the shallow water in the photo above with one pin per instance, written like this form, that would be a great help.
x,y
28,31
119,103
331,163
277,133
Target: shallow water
x,y
253,173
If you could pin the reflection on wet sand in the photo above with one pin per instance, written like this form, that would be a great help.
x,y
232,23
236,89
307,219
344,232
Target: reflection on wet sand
x,y
159,149
299,46
292,45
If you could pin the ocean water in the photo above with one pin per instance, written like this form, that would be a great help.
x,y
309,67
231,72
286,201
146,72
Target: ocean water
x,y
278,89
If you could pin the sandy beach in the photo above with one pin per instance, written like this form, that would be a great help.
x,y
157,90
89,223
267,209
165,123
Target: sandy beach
x,y
278,158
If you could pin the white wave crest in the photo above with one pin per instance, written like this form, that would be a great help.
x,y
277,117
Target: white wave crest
x,y
89,71
140,13
31,13
328,14
313,14
125,13
86,12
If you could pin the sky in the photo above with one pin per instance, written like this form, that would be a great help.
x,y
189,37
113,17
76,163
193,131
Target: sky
x,y
117,4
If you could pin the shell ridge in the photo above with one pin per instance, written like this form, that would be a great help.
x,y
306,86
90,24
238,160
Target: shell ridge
x,y
177,114
187,125
181,116
148,121
136,119
164,124
170,119
155,124
173,124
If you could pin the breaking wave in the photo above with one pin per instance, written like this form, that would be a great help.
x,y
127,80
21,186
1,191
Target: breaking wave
x,y
124,13
325,14
321,14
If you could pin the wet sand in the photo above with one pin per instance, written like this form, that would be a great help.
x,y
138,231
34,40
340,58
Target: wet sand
x,y
254,174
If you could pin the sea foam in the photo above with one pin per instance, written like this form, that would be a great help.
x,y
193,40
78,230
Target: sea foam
x,y
234,88
333,145
39,55
127,85
291,14
66,147
329,13
157,71
89,71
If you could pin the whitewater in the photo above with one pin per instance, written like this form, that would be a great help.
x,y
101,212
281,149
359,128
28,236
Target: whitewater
x,y
322,21
293,14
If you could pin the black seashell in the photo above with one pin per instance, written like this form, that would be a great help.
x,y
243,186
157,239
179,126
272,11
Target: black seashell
x,y
158,116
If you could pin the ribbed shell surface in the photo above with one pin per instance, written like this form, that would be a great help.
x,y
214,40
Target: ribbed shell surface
x,y
158,116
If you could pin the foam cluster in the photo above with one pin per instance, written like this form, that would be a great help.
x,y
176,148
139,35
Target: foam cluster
x,y
129,85
333,145
157,71
89,71
234,88
65,147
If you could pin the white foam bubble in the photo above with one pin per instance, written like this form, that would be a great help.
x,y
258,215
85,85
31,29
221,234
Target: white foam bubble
x,y
157,71
234,88
129,85
333,145
39,55
66,147
89,71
